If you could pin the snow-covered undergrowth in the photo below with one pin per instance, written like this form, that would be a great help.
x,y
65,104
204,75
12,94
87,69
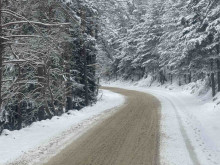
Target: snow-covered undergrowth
x,y
44,139
190,125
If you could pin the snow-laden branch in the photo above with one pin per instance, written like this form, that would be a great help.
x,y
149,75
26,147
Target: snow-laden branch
x,y
36,23
23,36
3,38
9,12
15,61
18,16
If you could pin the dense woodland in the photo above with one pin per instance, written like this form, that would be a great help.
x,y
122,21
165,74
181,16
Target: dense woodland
x,y
47,59
169,40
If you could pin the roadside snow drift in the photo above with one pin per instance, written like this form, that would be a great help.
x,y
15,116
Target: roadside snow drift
x,y
46,138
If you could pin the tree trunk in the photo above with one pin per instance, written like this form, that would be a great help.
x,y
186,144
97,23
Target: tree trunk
x,y
161,77
164,76
84,55
98,84
69,98
50,92
18,106
1,61
171,78
85,77
40,72
180,81
218,74
190,77
218,67
212,78
44,107
1,56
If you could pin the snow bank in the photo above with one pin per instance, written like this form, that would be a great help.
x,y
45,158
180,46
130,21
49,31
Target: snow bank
x,y
190,125
44,139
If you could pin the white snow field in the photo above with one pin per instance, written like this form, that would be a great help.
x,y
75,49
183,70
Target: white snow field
x,y
44,139
190,125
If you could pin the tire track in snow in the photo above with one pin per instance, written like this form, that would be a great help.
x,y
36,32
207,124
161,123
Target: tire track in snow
x,y
190,148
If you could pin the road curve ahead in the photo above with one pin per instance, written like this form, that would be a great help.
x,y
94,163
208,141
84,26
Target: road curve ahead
x,y
128,137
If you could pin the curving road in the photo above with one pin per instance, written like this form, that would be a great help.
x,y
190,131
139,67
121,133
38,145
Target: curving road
x,y
128,137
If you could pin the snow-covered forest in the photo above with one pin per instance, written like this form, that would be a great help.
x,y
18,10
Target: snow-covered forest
x,y
47,59
52,52
158,62
168,40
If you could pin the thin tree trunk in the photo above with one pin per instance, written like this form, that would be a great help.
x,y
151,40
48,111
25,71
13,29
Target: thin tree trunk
x,y
98,83
69,98
218,68
40,72
185,78
180,81
19,103
83,53
218,74
50,92
190,76
212,78
41,80
164,76
161,77
171,78
85,77
1,56
1,61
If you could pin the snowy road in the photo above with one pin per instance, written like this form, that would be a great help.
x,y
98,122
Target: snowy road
x,y
40,141
128,137
189,128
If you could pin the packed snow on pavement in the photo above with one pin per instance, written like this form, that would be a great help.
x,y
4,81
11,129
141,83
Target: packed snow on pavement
x,y
190,125
44,139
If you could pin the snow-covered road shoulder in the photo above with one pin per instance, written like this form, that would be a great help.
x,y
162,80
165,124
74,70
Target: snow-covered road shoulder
x,y
190,126
44,139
